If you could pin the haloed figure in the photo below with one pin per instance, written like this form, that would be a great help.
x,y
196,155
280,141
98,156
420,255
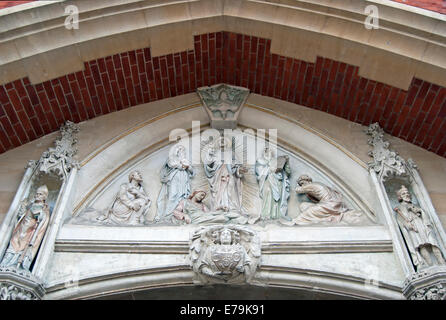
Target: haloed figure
x,y
274,184
175,178
28,233
417,231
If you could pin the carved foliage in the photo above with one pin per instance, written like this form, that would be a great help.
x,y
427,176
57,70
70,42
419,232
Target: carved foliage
x,y
225,254
386,162
435,292
59,159
223,104
10,291
19,284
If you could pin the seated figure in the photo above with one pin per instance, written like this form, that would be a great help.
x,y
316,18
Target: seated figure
x,y
193,211
328,205
130,204
28,233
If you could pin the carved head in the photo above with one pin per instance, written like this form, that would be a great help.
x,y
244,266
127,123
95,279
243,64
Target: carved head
x,y
135,175
404,194
223,96
180,151
304,179
268,153
199,195
225,236
41,193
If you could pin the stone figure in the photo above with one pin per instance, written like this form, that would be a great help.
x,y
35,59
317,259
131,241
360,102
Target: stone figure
x,y
175,178
130,204
225,254
417,230
224,181
327,205
194,211
274,185
27,235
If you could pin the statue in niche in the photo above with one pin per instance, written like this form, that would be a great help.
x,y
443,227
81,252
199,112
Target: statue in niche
x,y
27,235
175,178
224,179
327,206
130,204
417,230
194,211
274,185
225,254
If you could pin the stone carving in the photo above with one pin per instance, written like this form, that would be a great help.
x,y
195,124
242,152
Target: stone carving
x,y
13,292
273,177
175,178
386,163
427,284
224,178
327,206
417,230
130,204
223,103
19,284
225,254
28,233
435,292
194,211
59,159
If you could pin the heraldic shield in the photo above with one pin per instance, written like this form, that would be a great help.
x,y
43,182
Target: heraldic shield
x,y
224,254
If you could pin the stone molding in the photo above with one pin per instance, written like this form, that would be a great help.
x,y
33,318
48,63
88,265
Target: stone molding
x,y
34,39
182,247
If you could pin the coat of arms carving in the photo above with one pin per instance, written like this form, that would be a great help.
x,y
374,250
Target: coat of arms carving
x,y
225,254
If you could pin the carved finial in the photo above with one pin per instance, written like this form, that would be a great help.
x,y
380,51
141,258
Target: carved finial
x,y
386,162
59,159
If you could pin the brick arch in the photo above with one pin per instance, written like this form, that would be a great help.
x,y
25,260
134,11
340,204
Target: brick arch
x,y
29,111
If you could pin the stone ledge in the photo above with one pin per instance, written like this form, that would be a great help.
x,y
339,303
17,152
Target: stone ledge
x,y
41,48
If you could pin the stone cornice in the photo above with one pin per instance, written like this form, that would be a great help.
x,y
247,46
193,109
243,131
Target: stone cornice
x,y
36,44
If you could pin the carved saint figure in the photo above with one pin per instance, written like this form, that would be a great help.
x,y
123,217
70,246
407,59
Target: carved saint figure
x,y
225,254
274,184
175,178
32,223
194,211
224,181
327,205
417,230
130,204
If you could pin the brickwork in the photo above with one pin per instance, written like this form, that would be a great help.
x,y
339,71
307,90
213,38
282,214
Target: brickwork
x,y
7,4
123,80
432,5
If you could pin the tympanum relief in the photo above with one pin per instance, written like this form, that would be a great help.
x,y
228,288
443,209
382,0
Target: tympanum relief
x,y
32,222
175,178
326,206
130,205
223,188
273,175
